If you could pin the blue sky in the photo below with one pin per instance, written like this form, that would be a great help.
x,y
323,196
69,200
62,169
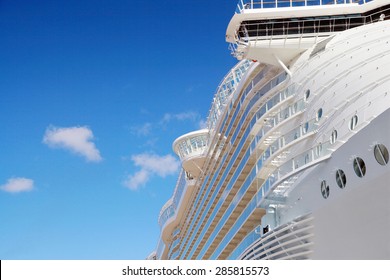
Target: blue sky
x,y
92,95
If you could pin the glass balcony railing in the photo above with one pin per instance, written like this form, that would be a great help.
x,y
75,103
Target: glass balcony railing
x,y
160,249
224,92
289,137
175,255
279,97
245,243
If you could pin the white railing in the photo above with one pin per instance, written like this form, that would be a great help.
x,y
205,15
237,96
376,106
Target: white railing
x,y
289,241
191,145
308,27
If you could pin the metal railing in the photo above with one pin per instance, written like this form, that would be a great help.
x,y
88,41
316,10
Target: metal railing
x,y
305,27
265,4
308,27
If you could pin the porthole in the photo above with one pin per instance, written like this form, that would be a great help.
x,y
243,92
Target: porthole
x,y
307,94
353,122
381,154
324,189
319,114
359,166
341,179
333,137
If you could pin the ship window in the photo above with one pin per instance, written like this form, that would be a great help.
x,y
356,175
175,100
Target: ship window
x,y
307,158
319,114
381,154
307,94
333,137
353,122
341,179
359,166
319,150
324,189
306,128
295,108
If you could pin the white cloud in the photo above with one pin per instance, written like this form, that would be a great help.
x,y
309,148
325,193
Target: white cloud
x,y
151,165
75,139
133,182
16,185
161,165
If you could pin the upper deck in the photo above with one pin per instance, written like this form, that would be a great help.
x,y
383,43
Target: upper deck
x,y
263,29
267,4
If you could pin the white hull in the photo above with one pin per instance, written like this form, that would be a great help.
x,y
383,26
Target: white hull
x,y
351,77
352,223
295,161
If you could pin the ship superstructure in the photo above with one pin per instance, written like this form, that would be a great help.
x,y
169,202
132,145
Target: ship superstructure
x,y
294,161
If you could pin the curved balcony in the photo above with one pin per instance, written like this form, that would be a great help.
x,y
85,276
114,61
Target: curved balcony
x,y
192,149
170,207
171,213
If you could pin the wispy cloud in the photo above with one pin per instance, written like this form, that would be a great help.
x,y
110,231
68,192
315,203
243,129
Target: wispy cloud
x,y
192,116
75,139
17,185
142,130
135,181
202,123
151,165
150,129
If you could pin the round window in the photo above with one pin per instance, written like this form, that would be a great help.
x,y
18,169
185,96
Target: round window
x,y
333,137
353,122
359,166
307,94
324,189
319,114
341,179
381,154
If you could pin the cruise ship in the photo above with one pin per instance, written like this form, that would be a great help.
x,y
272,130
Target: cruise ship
x,y
294,162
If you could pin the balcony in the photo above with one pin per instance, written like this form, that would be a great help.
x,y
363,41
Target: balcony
x,y
172,212
192,149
